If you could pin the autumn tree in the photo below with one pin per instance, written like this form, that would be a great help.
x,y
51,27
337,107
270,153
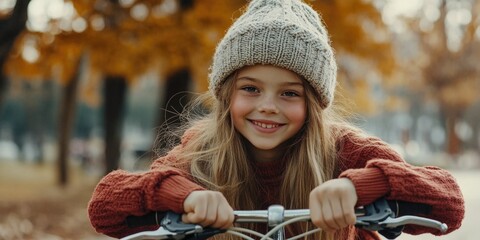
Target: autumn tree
x,y
363,49
453,69
112,43
119,43
447,58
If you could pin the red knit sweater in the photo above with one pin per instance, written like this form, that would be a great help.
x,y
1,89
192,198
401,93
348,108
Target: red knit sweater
x,y
374,168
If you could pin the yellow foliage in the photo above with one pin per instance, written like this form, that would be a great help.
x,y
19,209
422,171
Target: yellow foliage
x,y
362,97
395,103
187,38
83,7
90,91
17,66
460,93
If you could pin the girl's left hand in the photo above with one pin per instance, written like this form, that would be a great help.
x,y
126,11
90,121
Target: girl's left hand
x,y
332,204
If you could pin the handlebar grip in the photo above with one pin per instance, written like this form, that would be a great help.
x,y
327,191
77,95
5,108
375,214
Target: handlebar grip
x,y
152,218
401,208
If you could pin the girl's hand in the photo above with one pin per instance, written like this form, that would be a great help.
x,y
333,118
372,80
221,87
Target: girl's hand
x,y
332,204
208,208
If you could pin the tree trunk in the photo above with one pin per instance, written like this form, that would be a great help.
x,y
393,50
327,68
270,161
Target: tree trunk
x,y
453,141
115,88
3,86
173,102
67,117
10,28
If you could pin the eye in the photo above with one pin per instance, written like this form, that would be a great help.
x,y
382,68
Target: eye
x,y
250,89
290,94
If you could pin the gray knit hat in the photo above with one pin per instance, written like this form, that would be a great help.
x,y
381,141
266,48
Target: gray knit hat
x,y
283,33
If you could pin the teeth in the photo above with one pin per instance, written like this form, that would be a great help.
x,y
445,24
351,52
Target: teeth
x,y
264,125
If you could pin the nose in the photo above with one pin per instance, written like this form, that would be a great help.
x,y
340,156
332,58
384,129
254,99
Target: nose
x,y
268,105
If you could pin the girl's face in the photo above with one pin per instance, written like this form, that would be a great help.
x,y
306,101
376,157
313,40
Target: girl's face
x,y
268,108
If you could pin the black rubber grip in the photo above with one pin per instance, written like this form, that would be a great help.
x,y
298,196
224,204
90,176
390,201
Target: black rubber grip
x,y
409,208
152,218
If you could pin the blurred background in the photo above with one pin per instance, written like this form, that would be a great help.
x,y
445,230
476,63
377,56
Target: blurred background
x,y
85,84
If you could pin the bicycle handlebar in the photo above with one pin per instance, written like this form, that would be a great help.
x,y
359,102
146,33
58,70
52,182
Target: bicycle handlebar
x,y
400,208
386,217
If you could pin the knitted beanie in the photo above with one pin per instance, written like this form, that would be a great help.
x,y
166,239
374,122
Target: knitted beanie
x,y
282,33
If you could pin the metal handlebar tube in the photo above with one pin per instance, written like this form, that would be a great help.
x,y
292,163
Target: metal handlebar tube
x,y
261,216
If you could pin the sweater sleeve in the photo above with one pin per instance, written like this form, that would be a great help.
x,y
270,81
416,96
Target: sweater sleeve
x,y
120,194
377,170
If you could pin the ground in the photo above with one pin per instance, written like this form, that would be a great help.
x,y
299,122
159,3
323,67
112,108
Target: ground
x,y
32,206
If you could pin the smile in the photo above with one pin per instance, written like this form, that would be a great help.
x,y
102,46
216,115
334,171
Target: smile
x,y
266,125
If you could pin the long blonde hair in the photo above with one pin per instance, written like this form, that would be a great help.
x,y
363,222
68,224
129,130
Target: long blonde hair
x,y
218,159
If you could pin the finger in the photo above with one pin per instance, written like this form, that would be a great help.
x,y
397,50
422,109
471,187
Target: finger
x,y
315,210
185,218
348,213
211,211
332,214
230,216
337,211
198,213
224,216
190,217
327,216
321,219
319,210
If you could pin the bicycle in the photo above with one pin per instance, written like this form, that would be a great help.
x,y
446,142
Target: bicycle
x,y
386,217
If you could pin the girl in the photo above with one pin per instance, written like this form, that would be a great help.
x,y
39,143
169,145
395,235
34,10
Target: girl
x,y
271,137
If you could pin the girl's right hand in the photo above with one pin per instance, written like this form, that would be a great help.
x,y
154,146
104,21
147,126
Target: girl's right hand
x,y
208,208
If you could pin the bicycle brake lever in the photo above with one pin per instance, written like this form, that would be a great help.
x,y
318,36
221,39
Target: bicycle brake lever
x,y
173,223
380,217
400,221
160,233
171,227
375,213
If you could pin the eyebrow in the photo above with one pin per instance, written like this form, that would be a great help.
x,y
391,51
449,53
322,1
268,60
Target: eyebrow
x,y
252,79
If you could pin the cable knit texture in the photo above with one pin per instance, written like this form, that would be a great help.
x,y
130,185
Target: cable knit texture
x,y
374,168
283,33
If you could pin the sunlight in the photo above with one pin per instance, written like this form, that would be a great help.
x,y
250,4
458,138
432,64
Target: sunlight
x,y
432,14
41,12
460,16
79,25
167,7
139,12
54,9
6,6
463,130
394,10
97,22
456,18
126,3
30,52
